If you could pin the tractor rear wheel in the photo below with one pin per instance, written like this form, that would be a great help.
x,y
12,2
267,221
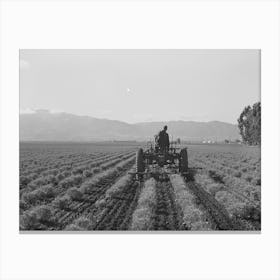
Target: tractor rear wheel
x,y
140,164
183,162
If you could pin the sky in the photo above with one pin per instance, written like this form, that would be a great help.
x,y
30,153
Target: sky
x,y
141,85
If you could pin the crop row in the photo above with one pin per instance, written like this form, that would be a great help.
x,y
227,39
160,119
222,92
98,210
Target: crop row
x,y
101,191
142,216
241,208
55,161
75,201
247,169
191,216
55,176
48,188
114,209
58,168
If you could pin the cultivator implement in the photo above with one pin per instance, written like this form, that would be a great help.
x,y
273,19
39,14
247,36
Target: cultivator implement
x,y
158,164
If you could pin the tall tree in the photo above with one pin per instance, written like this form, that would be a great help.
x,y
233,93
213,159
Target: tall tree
x,y
249,124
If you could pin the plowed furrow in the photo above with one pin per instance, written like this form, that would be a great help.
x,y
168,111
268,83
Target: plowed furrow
x,y
216,211
119,210
107,214
126,221
165,216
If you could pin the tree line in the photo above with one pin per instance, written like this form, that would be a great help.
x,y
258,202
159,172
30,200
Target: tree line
x,y
249,124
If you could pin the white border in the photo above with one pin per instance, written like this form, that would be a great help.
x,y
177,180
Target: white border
x,y
157,24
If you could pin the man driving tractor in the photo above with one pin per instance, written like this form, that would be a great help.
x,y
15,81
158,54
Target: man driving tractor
x,y
164,154
163,140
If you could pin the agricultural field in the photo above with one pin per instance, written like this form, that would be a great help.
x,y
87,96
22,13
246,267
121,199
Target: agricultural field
x,y
89,187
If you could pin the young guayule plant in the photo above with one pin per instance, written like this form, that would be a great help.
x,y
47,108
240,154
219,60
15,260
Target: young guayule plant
x,y
36,217
141,218
62,202
82,223
75,194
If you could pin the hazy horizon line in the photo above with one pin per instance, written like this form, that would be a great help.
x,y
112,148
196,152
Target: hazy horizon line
x,y
31,111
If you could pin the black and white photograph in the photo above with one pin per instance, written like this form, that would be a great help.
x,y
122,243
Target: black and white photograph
x,y
140,140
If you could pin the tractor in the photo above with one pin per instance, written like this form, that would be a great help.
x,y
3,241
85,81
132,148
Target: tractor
x,y
152,161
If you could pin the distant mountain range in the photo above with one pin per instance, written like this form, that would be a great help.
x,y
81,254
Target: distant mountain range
x,y
45,126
